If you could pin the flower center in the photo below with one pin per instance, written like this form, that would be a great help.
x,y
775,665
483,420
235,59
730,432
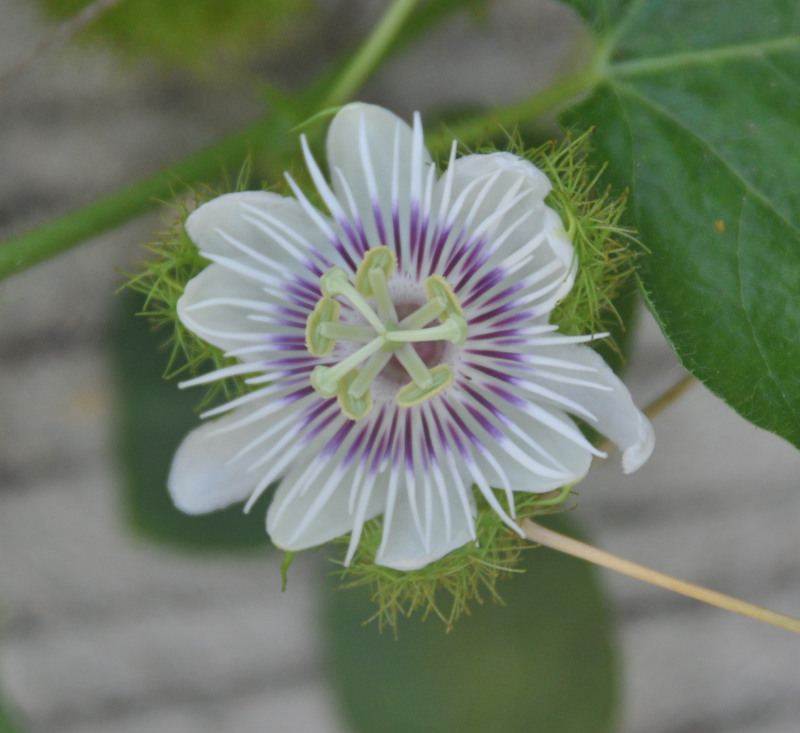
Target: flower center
x,y
387,341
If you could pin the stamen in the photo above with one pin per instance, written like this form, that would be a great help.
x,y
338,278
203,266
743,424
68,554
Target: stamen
x,y
346,331
383,337
325,313
354,407
437,287
335,282
380,291
412,394
424,314
453,329
367,375
326,379
378,258
413,364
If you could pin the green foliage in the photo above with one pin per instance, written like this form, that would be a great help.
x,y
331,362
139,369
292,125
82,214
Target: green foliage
x,y
696,112
447,587
196,34
541,663
593,216
173,259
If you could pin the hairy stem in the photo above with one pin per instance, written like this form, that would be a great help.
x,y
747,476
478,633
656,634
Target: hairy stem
x,y
562,543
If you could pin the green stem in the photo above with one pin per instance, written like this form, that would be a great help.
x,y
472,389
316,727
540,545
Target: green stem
x,y
65,232
371,53
268,137
548,100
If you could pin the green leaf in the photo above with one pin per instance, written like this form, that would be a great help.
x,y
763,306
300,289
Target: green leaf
x,y
153,418
7,725
697,111
541,662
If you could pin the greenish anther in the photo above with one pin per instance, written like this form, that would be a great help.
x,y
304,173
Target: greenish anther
x,y
454,329
383,337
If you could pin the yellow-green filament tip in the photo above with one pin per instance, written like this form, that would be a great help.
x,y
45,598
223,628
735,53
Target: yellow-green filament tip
x,y
318,342
437,287
378,258
353,407
412,394
325,380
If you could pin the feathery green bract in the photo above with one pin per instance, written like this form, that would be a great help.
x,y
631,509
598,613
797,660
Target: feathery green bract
x,y
605,250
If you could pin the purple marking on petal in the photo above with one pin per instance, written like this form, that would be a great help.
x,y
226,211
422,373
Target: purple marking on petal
x,y
456,252
408,442
310,286
413,229
288,341
378,457
336,441
351,234
486,424
497,335
398,250
356,444
376,426
440,429
505,294
477,256
314,410
362,235
502,355
426,431
421,249
342,250
296,290
320,426
437,244
291,313
312,267
460,445
391,442
488,315
291,361
481,400
502,376
509,397
520,317
465,428
377,214
485,283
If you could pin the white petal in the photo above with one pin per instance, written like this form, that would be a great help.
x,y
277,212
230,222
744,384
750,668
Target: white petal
x,y
277,230
373,150
203,478
617,417
313,503
479,165
405,547
534,434
216,306
500,197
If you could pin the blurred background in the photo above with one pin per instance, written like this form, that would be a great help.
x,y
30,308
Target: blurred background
x,y
103,629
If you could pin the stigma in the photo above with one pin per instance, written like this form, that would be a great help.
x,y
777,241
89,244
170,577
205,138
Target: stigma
x,y
384,337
